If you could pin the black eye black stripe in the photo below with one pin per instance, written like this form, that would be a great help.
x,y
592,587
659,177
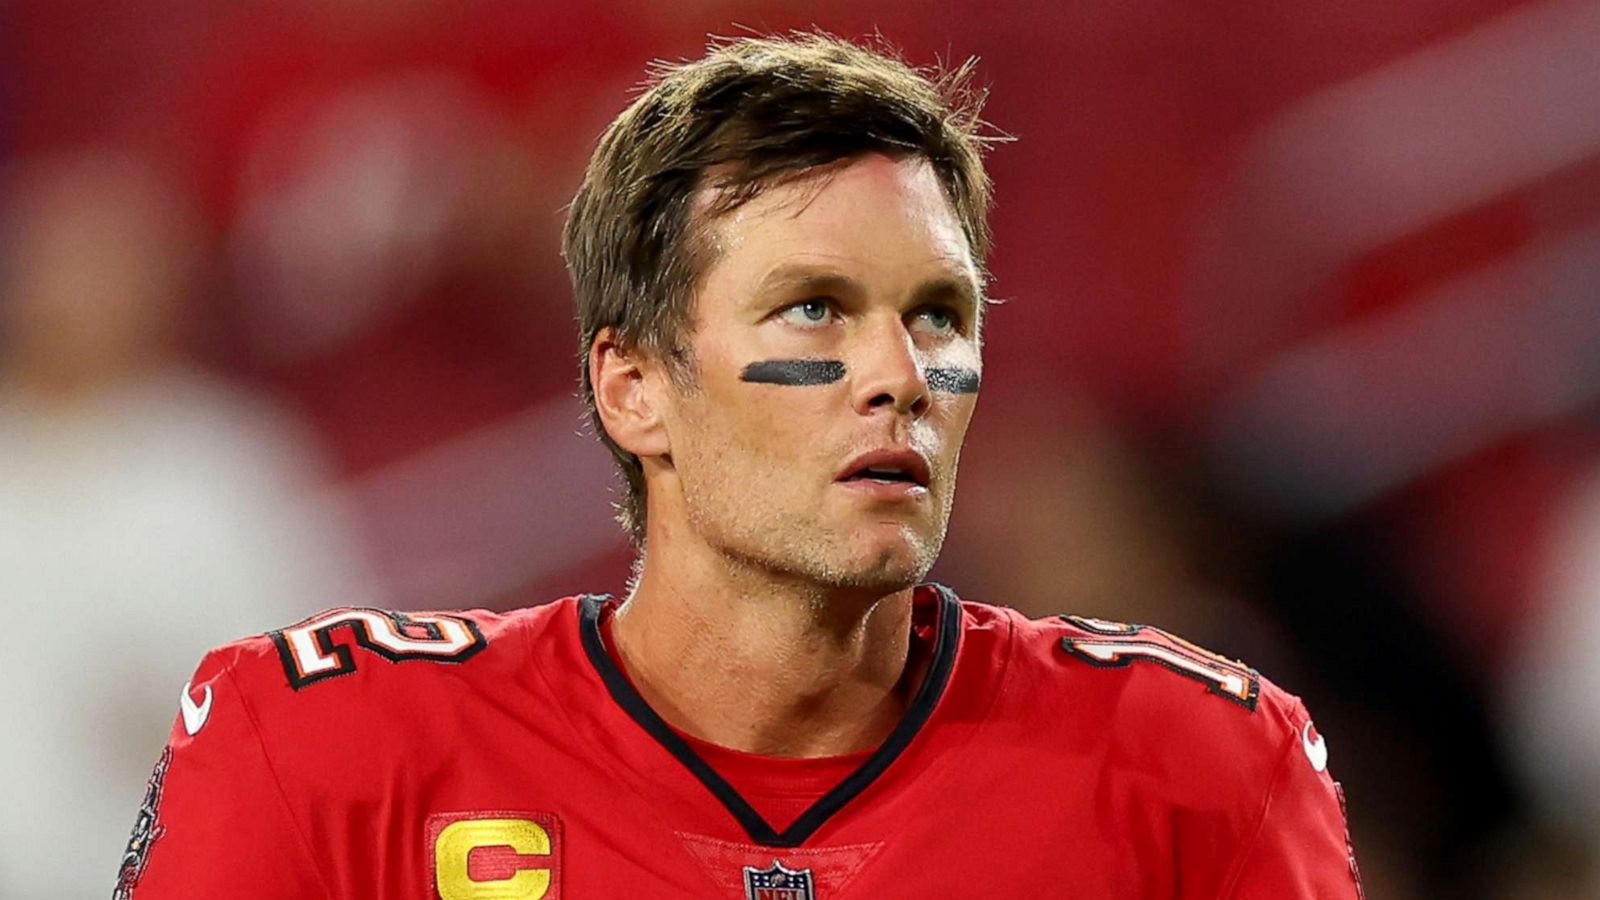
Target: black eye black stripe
x,y
794,372
809,372
953,381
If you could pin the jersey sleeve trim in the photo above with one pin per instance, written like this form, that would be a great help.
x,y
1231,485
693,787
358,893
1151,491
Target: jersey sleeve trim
x,y
277,784
1248,848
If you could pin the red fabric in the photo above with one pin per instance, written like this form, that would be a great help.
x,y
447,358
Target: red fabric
x,y
1037,775
780,789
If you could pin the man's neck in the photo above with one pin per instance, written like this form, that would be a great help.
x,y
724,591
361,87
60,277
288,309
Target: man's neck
x,y
759,664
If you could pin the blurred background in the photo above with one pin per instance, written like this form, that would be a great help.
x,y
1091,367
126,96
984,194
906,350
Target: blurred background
x,y
1300,358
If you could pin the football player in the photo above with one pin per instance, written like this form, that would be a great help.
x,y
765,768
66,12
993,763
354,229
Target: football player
x,y
778,258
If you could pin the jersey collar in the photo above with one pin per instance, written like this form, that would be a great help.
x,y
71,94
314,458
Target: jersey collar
x,y
946,640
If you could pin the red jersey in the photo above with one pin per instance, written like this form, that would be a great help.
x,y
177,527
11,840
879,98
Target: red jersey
x,y
473,755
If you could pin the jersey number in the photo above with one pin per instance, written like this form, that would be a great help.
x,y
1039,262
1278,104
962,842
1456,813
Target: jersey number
x,y
309,653
1118,644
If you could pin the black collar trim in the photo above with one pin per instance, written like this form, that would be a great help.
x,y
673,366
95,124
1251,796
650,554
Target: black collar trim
x,y
933,687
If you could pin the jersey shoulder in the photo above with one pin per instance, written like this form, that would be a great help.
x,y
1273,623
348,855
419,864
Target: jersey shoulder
x,y
355,687
1147,694
349,649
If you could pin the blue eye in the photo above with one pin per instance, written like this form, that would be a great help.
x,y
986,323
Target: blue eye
x,y
807,312
938,319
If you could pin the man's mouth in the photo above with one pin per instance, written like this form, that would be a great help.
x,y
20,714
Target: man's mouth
x,y
880,475
888,466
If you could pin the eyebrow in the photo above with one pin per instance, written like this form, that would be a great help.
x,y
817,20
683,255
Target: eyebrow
x,y
809,280
806,280
951,289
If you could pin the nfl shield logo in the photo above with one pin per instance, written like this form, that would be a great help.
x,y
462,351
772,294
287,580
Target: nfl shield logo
x,y
777,882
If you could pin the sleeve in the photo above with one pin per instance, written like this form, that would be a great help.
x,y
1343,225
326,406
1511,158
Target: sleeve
x,y
215,821
1300,847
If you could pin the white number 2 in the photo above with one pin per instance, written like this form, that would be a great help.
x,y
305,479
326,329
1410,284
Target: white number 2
x,y
310,654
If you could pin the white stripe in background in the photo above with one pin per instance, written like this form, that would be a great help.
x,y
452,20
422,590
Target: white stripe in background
x,y
1385,154
1339,420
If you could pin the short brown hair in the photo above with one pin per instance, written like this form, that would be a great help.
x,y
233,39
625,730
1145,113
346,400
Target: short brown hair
x,y
759,111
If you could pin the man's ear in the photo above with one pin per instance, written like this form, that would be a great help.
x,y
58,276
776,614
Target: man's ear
x,y
627,387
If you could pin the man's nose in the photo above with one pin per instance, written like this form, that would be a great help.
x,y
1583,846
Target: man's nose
x,y
886,372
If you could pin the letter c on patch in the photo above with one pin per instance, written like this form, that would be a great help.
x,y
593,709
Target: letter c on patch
x,y
453,848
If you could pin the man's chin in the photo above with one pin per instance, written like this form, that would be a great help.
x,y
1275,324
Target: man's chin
x,y
875,560
889,566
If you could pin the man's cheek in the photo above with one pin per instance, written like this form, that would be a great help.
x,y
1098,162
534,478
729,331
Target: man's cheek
x,y
788,434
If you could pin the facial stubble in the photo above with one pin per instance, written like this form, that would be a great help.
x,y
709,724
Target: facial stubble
x,y
789,536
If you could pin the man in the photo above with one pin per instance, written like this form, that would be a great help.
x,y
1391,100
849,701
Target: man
x,y
777,254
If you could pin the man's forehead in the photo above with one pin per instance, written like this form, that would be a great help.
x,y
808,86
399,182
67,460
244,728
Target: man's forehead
x,y
724,195
810,227
941,277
